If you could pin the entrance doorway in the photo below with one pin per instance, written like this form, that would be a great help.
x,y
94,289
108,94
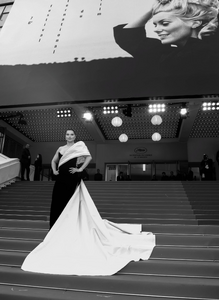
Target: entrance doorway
x,y
141,171
130,171
113,170
147,171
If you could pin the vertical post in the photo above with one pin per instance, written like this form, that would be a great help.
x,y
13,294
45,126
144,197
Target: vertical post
x,y
2,139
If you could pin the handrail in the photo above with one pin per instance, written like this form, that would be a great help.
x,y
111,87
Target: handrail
x,y
9,169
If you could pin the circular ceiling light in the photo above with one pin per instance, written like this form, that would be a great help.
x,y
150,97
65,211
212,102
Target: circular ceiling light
x,y
88,116
183,111
123,138
116,122
156,137
156,120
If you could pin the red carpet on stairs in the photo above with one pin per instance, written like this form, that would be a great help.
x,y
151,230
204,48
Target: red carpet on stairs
x,y
184,264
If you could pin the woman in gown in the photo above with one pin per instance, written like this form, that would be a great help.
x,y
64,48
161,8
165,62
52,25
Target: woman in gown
x,y
80,242
68,175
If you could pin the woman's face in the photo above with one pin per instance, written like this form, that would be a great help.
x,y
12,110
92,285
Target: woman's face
x,y
70,136
171,29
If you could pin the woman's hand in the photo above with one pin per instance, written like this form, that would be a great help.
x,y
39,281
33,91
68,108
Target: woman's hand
x,y
56,172
75,170
142,20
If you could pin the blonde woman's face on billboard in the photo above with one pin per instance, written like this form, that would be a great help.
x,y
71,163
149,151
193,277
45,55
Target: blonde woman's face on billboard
x,y
171,29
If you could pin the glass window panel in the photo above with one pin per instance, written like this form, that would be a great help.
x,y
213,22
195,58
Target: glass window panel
x,y
196,173
124,169
139,173
165,167
111,172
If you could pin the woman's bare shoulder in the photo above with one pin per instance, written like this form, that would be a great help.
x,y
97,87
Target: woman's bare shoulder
x,y
61,149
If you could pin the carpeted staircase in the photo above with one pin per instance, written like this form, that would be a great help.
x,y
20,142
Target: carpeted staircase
x,y
184,264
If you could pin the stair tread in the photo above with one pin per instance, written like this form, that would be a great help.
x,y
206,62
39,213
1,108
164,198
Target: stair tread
x,y
148,285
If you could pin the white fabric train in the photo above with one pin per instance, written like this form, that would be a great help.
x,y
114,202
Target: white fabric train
x,y
82,243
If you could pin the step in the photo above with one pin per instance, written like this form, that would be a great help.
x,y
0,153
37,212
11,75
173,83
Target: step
x,y
134,220
9,251
209,221
24,292
119,283
25,224
148,227
181,229
16,236
111,214
27,217
182,268
17,233
173,221
110,207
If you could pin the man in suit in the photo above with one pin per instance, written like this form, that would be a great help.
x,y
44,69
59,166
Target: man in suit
x,y
120,177
25,162
206,168
98,176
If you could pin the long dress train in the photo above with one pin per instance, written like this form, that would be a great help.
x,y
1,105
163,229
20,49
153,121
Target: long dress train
x,y
82,243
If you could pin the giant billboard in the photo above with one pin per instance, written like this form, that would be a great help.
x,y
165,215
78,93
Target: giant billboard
x,y
84,50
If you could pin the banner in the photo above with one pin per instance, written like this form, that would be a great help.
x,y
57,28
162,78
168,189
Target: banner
x,y
83,50
54,31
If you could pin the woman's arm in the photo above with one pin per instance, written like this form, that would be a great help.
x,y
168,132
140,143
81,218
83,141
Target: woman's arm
x,y
132,37
54,163
135,42
141,21
86,162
